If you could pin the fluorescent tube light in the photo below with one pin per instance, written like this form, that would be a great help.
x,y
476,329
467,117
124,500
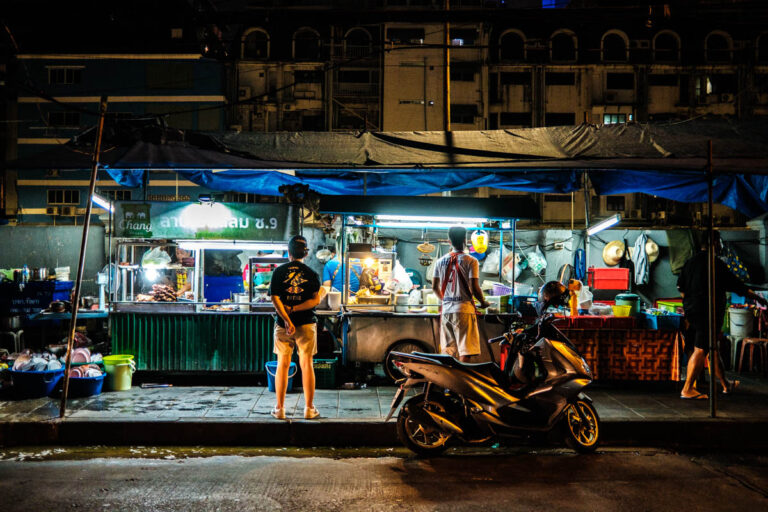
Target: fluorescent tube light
x,y
104,203
191,245
427,218
604,224
423,225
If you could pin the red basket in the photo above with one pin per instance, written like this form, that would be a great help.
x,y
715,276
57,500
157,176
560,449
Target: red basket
x,y
587,322
618,322
608,278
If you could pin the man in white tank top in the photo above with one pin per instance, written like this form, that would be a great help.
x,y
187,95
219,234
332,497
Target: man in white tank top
x,y
456,283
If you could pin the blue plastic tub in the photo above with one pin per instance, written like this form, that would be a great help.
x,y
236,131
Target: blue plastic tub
x,y
81,387
271,367
35,384
668,322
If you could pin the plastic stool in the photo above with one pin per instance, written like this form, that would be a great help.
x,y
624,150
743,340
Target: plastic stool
x,y
18,337
762,346
734,350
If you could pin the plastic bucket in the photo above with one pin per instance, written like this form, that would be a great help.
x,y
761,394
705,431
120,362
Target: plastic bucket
x,y
117,359
621,311
741,322
120,376
271,367
629,299
35,384
80,387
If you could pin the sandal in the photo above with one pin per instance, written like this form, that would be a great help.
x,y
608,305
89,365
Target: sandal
x,y
731,387
700,396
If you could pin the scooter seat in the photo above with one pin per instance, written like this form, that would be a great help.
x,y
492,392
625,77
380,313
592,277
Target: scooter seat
x,y
490,370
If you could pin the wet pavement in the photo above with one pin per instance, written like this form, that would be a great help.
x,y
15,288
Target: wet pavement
x,y
142,478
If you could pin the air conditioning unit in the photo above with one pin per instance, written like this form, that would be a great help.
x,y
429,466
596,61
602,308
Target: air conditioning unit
x,y
243,93
52,210
726,98
68,211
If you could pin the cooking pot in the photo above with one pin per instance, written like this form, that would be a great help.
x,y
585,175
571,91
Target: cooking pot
x,y
39,274
10,323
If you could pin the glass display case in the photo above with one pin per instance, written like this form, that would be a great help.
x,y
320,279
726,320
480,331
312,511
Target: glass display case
x,y
373,270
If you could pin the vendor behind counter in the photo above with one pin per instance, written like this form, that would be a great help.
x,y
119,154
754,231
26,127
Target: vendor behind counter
x,y
333,274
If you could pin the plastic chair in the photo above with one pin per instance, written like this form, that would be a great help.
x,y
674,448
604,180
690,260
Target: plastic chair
x,y
761,344
18,338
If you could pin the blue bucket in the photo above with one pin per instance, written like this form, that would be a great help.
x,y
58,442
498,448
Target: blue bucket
x,y
81,387
35,384
271,367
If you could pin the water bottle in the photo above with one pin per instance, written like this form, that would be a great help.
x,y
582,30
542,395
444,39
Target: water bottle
x,y
25,273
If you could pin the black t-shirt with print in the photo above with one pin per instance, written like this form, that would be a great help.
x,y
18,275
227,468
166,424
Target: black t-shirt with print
x,y
295,283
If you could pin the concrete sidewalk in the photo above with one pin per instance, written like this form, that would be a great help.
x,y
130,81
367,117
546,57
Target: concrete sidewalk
x,y
240,416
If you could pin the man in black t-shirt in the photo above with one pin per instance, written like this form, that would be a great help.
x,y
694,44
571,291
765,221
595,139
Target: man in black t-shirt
x,y
295,290
694,288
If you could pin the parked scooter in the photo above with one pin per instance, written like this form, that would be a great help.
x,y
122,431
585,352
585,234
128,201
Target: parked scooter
x,y
535,388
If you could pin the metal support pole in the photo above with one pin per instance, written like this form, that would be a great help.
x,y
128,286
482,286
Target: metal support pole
x,y
447,71
344,279
501,254
586,223
83,248
712,305
514,256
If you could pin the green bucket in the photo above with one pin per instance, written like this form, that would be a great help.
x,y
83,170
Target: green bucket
x,y
119,370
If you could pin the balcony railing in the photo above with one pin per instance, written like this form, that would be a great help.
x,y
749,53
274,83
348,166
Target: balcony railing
x,y
357,90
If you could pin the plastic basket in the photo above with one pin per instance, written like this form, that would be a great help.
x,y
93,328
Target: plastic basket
x,y
35,384
587,322
669,322
500,289
672,306
620,322
608,278
621,311
325,373
81,387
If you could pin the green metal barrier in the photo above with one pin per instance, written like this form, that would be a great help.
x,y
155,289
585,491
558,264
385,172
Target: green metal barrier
x,y
194,342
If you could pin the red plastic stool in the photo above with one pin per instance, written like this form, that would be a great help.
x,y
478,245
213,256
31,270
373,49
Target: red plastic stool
x,y
761,344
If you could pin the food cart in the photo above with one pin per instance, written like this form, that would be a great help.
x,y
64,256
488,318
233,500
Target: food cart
x,y
374,323
185,296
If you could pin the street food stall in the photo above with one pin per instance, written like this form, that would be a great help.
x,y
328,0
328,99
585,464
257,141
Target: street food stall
x,y
190,281
388,312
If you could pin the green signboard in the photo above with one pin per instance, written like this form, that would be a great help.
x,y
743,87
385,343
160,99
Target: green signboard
x,y
205,221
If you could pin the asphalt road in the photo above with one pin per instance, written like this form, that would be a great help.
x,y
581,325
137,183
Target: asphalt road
x,y
151,479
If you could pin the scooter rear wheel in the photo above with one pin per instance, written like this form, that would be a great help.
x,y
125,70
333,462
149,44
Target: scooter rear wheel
x,y
581,435
419,438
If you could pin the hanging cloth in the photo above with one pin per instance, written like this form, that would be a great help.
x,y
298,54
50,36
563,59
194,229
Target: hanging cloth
x,y
579,265
641,260
734,263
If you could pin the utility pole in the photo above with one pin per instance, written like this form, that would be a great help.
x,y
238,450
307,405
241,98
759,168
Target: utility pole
x,y
713,327
447,71
83,247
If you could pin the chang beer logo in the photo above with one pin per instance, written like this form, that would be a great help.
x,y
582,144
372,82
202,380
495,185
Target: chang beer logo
x,y
136,221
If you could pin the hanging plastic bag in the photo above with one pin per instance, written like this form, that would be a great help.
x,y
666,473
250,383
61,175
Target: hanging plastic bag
x,y
491,263
431,268
585,297
537,262
155,257
404,282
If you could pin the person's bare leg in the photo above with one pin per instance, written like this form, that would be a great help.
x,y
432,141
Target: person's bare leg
x,y
281,379
695,364
307,379
720,375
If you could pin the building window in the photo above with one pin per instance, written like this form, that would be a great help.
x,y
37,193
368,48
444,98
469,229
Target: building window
x,y
522,119
405,35
170,75
563,47
725,85
64,75
615,203
64,119
308,77
242,197
762,48
463,73
552,78
364,76
615,118
560,119
119,194
463,36
512,46
718,47
662,80
306,44
357,43
463,114
256,45
557,198
666,47
620,81
515,78
64,196
614,47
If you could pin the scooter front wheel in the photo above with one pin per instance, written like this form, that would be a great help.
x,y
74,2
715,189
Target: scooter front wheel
x,y
422,439
582,431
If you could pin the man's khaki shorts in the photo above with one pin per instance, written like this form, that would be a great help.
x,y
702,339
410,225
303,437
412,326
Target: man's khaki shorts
x,y
459,335
305,338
